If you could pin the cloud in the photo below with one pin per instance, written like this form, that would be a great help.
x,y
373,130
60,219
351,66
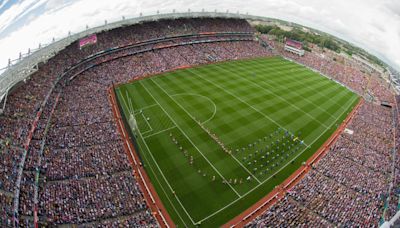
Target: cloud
x,y
370,24
17,11
3,3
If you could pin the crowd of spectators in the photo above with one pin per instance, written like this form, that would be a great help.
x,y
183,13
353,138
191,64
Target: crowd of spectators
x,y
290,213
9,163
347,187
8,166
140,219
85,176
94,198
344,70
6,209
379,88
394,197
380,139
76,164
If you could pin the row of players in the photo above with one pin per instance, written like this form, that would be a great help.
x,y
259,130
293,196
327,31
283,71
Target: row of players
x,y
72,151
83,136
348,185
79,113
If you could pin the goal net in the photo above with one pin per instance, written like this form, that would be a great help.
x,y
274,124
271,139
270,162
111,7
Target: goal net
x,y
132,122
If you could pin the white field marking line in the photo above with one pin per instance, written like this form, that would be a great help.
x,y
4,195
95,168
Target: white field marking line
x,y
279,70
162,173
156,133
296,77
145,132
126,105
244,167
132,110
223,208
166,194
282,67
146,107
232,94
271,92
307,84
303,72
199,95
276,69
159,169
299,76
300,72
216,170
337,81
151,129
291,91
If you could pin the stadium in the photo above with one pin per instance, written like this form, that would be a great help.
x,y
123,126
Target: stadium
x,y
196,119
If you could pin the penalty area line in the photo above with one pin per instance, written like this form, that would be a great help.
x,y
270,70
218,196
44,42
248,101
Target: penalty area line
x,y
156,133
151,167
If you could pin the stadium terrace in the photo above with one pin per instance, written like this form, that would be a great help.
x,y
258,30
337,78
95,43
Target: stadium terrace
x,y
196,121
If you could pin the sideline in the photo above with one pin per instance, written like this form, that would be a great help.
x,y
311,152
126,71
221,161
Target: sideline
x,y
152,199
280,191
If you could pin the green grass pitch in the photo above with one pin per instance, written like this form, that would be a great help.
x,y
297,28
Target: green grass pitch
x,y
215,139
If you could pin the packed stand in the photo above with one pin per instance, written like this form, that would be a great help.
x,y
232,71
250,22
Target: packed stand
x,y
80,184
343,70
346,187
289,213
76,171
394,198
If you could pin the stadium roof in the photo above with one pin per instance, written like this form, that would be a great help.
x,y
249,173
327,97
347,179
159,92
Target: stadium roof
x,y
374,26
28,64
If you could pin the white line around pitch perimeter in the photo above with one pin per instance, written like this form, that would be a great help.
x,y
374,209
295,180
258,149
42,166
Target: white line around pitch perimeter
x,y
162,173
166,194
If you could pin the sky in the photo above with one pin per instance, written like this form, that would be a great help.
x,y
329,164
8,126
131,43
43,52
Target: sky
x,y
370,24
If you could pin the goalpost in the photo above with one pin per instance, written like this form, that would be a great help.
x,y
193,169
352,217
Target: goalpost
x,y
132,122
131,118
